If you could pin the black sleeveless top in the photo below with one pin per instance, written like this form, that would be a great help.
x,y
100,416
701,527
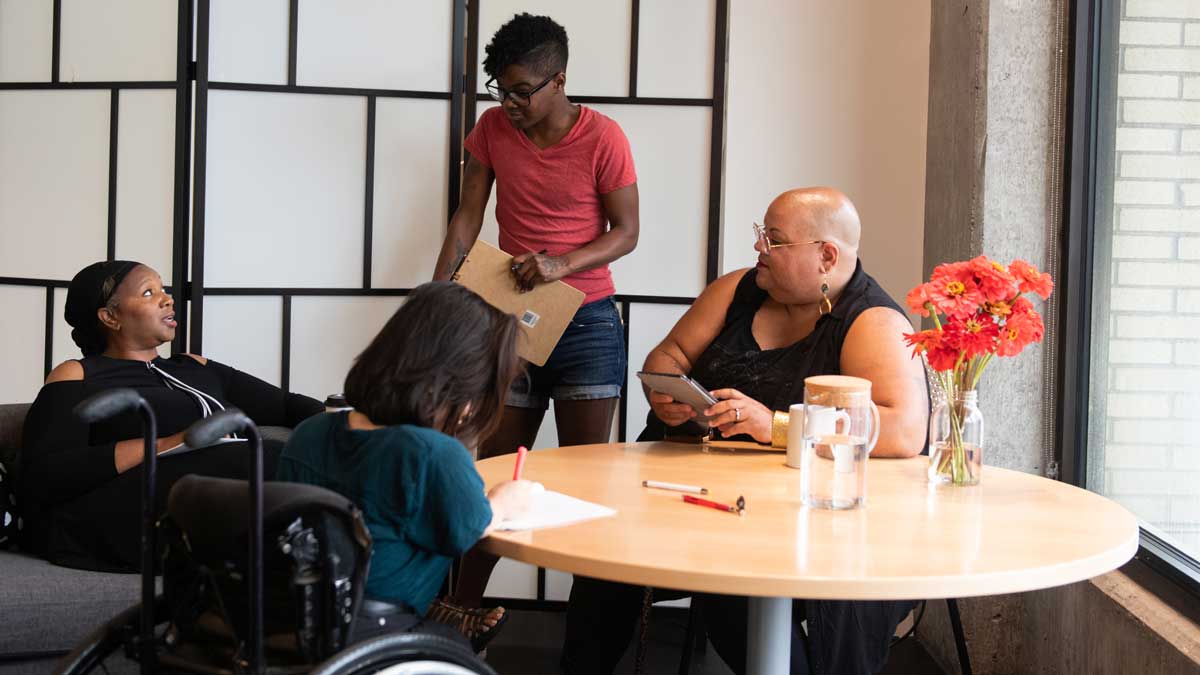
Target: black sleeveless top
x,y
775,377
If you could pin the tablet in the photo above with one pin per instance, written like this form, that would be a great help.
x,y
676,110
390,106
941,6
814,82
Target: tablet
x,y
683,389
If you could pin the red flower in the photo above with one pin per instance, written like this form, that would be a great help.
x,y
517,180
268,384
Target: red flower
x,y
1022,327
941,354
917,299
974,335
954,291
993,279
1030,279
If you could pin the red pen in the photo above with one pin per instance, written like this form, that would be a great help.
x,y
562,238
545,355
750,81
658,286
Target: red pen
x,y
737,508
521,452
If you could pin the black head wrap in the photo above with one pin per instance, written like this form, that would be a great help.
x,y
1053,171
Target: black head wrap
x,y
91,289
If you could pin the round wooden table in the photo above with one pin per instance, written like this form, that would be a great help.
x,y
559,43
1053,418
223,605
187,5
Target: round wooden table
x,y
1013,532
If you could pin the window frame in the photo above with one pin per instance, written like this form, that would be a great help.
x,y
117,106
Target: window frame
x,y
1095,25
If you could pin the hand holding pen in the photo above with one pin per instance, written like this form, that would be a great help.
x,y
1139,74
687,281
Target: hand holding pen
x,y
531,269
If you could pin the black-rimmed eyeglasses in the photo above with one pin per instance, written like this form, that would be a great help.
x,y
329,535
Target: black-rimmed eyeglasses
x,y
521,98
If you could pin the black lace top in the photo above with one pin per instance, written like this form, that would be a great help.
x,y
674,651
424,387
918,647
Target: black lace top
x,y
775,377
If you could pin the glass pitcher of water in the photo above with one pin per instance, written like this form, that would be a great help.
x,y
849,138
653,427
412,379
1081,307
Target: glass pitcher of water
x,y
841,425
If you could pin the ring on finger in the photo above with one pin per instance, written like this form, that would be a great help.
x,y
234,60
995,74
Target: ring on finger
x,y
737,414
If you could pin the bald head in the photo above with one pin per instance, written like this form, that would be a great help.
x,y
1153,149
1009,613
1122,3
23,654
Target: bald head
x,y
819,213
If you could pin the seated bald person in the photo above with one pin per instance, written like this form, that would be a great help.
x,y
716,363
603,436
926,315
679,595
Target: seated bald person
x,y
752,337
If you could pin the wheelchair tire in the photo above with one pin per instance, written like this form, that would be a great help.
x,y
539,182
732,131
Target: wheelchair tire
x,y
381,652
100,644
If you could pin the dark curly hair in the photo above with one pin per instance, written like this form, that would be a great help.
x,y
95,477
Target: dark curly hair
x,y
536,42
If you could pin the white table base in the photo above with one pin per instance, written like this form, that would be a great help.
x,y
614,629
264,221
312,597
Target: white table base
x,y
769,636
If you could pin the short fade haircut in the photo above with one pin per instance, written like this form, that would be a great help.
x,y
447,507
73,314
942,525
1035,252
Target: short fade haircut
x,y
536,42
444,361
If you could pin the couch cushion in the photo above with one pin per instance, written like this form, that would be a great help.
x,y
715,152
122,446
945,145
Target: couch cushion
x,y
45,608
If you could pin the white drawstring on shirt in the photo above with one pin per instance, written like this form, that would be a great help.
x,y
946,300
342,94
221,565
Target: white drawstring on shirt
x,y
205,401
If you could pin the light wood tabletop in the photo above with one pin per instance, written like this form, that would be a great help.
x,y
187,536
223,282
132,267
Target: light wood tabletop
x,y
1013,532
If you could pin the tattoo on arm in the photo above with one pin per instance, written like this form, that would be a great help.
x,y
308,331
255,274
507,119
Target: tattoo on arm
x,y
459,251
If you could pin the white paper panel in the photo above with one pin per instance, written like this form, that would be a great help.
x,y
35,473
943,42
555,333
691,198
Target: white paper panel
x,y
26,28
558,585
381,44
248,41
244,332
675,48
118,40
285,190
648,325
597,40
328,333
670,148
490,232
146,178
53,182
512,579
411,157
22,343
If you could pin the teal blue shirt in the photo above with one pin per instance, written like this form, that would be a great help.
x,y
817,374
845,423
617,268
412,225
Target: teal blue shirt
x,y
420,494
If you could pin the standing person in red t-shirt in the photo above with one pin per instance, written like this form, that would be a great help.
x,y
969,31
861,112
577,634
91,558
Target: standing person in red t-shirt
x,y
567,206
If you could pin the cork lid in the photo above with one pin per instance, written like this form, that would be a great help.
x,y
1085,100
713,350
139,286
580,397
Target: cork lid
x,y
836,384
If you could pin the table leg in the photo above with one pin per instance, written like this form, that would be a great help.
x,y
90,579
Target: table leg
x,y
769,636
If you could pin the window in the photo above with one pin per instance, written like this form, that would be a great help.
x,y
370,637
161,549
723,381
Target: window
x,y
1131,345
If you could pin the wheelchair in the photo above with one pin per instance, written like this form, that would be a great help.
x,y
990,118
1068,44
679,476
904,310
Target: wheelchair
x,y
270,585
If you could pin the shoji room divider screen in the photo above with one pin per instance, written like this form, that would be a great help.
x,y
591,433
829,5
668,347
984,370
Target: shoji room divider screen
x,y
290,166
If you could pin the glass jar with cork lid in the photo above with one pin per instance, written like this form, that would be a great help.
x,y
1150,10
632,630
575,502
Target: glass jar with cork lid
x,y
841,426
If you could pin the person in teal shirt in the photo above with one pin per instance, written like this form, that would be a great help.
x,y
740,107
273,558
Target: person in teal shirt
x,y
430,385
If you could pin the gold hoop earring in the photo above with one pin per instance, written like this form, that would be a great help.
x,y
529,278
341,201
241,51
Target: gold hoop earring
x,y
826,306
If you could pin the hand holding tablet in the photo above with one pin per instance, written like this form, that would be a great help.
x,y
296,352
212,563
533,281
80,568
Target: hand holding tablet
x,y
683,389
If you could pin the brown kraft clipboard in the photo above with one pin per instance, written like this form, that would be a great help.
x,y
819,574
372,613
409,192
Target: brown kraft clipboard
x,y
542,313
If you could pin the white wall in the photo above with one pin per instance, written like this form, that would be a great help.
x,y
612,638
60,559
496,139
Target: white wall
x,y
831,93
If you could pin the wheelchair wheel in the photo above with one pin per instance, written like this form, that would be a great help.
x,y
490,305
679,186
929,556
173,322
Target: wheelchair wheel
x,y
101,643
405,654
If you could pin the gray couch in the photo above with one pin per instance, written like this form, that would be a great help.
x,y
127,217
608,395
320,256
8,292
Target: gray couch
x,y
45,610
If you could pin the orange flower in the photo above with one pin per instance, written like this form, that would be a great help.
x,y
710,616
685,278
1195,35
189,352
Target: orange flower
x,y
1030,279
993,279
918,298
954,291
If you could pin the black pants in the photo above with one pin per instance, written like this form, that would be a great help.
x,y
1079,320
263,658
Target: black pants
x,y
102,530
602,616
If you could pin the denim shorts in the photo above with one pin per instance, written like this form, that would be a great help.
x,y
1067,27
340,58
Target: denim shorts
x,y
587,363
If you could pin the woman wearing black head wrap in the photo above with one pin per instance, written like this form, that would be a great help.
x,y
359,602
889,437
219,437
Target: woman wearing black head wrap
x,y
80,482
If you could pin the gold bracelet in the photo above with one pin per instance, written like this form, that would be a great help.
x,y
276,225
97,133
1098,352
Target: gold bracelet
x,y
779,429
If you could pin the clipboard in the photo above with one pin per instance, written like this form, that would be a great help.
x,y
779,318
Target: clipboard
x,y
542,313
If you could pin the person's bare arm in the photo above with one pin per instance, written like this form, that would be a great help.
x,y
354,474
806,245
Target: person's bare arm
x,y
621,208
692,334
874,350
467,219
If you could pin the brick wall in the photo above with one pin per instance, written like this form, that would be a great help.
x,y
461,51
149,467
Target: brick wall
x,y
1150,458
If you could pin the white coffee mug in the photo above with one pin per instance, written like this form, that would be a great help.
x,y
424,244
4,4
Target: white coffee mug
x,y
816,420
